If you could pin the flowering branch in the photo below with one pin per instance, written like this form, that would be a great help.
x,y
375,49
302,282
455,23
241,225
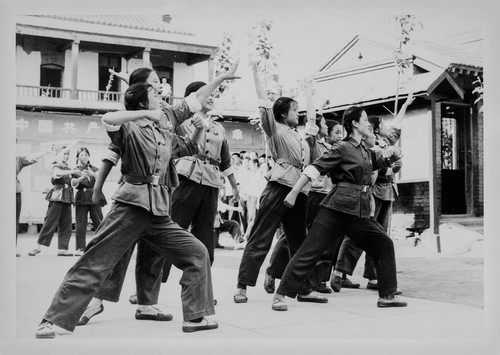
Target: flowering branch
x,y
110,81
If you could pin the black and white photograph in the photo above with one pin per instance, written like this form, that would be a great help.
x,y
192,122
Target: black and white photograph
x,y
245,177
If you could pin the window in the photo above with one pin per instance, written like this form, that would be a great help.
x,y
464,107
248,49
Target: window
x,y
106,62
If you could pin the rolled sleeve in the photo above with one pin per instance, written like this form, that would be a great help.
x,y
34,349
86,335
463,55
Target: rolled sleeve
x,y
311,172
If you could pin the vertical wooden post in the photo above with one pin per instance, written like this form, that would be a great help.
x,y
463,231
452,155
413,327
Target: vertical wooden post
x,y
75,50
434,194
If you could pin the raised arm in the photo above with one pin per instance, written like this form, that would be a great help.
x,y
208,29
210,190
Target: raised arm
x,y
259,86
205,91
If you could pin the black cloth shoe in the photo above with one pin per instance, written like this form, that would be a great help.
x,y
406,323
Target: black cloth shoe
x,y
205,324
390,301
87,315
336,283
219,246
371,286
313,297
269,284
323,288
156,315
349,284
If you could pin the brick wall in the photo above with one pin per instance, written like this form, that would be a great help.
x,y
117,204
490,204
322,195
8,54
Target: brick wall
x,y
414,199
478,161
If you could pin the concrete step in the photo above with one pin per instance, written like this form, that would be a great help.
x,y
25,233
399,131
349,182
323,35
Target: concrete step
x,y
471,222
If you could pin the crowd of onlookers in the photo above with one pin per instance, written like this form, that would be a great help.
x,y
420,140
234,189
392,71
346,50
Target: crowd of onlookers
x,y
250,170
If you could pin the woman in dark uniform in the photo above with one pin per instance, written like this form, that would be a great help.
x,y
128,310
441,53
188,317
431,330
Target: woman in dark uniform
x,y
58,216
345,210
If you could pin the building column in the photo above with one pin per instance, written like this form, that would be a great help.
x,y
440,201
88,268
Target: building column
x,y
146,57
75,51
210,68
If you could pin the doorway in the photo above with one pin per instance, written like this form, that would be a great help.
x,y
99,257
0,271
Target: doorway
x,y
456,169
50,77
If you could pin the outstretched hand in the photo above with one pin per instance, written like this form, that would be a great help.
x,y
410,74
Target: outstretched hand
x,y
290,199
231,73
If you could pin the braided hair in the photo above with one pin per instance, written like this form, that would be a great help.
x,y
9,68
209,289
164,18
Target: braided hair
x,y
352,113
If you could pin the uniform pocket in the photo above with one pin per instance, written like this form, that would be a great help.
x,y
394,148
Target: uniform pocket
x,y
346,199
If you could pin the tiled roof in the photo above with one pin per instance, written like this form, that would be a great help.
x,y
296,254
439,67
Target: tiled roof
x,y
141,22
445,54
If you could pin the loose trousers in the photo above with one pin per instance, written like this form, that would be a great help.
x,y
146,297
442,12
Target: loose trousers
x,y
271,213
328,227
58,217
118,232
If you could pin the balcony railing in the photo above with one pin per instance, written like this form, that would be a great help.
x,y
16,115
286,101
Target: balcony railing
x,y
88,100
43,91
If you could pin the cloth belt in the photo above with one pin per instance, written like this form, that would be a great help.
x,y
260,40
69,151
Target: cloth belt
x,y
287,161
364,188
86,189
206,159
144,179
63,186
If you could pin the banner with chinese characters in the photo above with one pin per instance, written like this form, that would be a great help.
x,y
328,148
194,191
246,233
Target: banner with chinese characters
x,y
43,126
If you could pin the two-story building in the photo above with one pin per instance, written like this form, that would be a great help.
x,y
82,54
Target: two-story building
x,y
442,135
63,85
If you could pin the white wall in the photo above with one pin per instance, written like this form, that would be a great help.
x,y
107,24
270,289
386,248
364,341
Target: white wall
x,y
183,76
27,67
88,69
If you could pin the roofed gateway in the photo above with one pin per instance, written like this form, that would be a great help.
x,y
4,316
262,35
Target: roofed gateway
x,y
442,138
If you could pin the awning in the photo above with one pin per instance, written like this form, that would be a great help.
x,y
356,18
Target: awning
x,y
379,86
